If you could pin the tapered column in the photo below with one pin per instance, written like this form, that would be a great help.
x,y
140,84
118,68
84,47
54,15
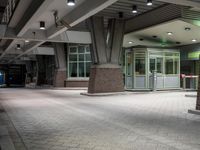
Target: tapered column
x,y
106,74
60,70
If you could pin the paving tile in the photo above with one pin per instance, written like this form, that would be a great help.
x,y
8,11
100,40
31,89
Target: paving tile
x,y
66,120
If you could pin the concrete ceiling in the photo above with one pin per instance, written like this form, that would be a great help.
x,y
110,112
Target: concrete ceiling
x,y
48,17
29,13
179,34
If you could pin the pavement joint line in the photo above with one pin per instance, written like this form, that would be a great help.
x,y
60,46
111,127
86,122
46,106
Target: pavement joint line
x,y
13,126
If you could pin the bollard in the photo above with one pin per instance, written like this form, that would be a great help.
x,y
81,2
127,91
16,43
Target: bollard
x,y
154,82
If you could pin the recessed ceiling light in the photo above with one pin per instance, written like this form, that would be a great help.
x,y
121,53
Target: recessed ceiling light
x,y
149,2
70,2
130,42
187,28
134,10
27,41
169,33
194,40
42,25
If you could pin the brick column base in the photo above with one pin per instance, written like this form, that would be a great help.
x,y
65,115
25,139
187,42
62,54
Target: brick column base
x,y
105,78
59,78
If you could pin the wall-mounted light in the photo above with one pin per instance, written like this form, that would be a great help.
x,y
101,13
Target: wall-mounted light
x,y
134,9
42,25
149,2
70,2
18,47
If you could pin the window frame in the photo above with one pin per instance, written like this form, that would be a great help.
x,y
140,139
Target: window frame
x,y
85,61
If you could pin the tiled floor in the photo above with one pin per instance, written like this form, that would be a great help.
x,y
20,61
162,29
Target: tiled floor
x,y
65,120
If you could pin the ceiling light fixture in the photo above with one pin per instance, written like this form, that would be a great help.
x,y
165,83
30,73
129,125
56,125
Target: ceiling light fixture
x,y
169,33
70,2
18,47
149,3
27,41
134,9
42,25
154,36
187,28
130,42
194,40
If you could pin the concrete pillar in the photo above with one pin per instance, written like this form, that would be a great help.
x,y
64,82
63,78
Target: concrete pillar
x,y
60,70
106,74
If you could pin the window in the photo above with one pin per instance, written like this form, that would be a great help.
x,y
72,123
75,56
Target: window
x,y
152,65
79,61
169,66
140,64
172,64
159,65
156,64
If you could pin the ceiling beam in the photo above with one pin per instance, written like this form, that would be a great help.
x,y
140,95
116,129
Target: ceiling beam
x,y
183,3
87,9
79,14
28,48
157,16
30,15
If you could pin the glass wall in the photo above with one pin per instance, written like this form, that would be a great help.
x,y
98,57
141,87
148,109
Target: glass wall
x,y
141,62
79,61
171,63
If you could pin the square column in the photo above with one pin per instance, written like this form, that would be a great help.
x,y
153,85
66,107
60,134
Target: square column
x,y
60,70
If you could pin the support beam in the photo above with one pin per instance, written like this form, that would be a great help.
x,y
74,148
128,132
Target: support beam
x,y
157,16
28,49
31,14
183,3
37,7
87,9
79,14
40,36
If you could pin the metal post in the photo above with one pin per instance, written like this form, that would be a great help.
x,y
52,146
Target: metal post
x,y
154,78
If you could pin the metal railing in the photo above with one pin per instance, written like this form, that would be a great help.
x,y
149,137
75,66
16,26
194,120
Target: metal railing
x,y
9,10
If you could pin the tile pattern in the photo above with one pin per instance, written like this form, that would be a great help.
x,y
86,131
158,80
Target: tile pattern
x,y
65,120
